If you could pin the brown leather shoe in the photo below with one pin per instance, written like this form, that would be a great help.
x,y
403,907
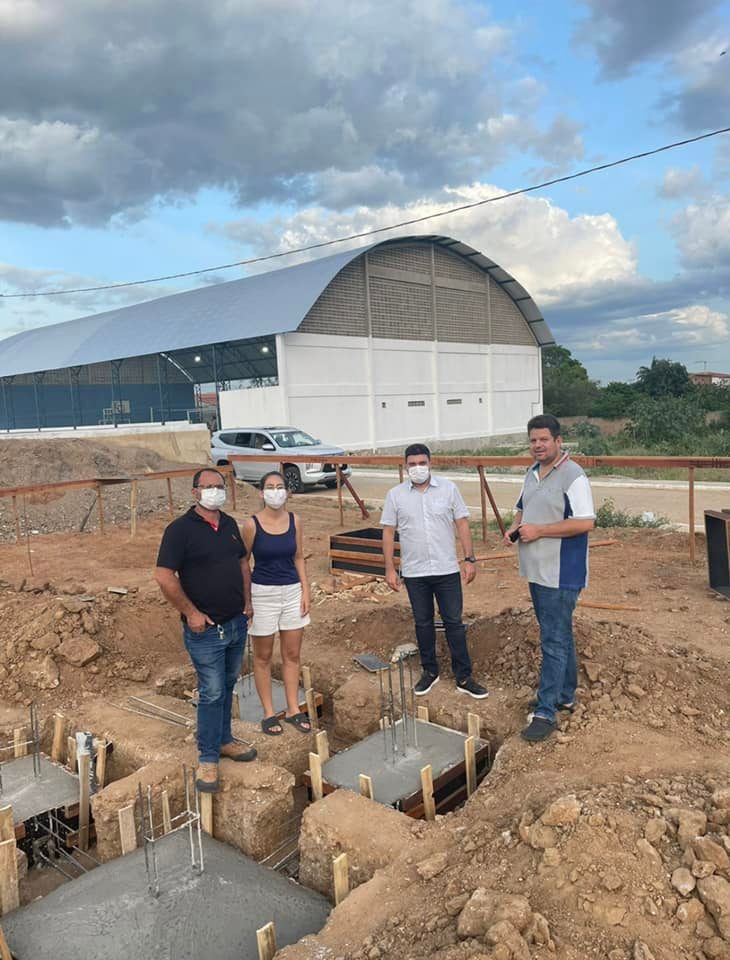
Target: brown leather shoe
x,y
238,751
207,780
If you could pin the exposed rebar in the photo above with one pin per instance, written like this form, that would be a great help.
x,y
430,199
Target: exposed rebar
x,y
403,706
413,703
393,736
382,715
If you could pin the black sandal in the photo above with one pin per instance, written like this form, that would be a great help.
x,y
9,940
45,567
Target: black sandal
x,y
299,720
268,724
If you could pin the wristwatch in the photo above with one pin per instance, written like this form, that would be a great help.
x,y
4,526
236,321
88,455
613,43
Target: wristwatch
x,y
470,559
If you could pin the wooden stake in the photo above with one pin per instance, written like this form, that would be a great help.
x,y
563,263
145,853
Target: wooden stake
x,y
84,789
470,763
100,504
127,829
206,812
235,706
315,772
26,525
17,519
71,761
170,505
474,725
20,747
307,677
691,474
133,498
7,825
59,728
493,504
429,804
5,953
266,941
312,709
166,818
400,472
366,786
341,877
483,495
232,484
101,748
323,747
338,471
596,605
9,896
422,713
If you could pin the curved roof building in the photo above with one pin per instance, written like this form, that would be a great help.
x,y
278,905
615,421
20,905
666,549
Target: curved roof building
x,y
144,361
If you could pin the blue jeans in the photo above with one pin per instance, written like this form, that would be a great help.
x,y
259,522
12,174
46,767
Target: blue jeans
x,y
216,654
559,672
447,591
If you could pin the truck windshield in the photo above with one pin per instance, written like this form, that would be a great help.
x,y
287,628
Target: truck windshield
x,y
293,438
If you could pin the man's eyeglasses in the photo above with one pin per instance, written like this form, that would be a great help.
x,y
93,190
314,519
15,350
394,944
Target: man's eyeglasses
x,y
211,486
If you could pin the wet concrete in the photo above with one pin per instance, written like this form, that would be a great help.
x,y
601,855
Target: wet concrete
x,y
394,780
249,703
109,914
31,796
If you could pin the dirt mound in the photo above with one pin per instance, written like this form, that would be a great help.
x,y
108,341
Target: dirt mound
x,y
27,462
53,461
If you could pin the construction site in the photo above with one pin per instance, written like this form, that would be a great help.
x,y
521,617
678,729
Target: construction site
x,y
397,828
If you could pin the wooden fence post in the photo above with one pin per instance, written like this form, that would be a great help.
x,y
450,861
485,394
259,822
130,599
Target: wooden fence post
x,y
691,473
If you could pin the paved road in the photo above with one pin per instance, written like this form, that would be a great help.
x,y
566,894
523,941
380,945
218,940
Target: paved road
x,y
666,498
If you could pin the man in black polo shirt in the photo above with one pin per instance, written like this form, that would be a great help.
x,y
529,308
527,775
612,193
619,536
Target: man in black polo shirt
x,y
203,571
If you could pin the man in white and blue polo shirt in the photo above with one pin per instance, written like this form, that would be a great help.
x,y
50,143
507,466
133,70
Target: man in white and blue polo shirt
x,y
553,516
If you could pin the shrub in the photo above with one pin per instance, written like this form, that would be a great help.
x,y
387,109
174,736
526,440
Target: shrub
x,y
608,515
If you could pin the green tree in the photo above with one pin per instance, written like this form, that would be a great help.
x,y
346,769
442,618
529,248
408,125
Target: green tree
x,y
676,422
567,389
615,400
663,378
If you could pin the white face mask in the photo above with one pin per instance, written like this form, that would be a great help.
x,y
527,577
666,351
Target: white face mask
x,y
419,474
212,499
275,498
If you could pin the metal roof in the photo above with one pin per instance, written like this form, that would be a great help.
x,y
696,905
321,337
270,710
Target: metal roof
x,y
252,307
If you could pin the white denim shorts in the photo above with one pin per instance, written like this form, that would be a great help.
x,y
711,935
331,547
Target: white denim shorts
x,y
276,608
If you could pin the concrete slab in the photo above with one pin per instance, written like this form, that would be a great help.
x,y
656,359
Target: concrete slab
x,y
249,703
392,781
109,914
30,796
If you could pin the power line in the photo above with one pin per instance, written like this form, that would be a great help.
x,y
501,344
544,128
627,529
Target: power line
x,y
376,230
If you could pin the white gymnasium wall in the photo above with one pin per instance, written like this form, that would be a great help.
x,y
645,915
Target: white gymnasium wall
x,y
371,394
516,394
249,408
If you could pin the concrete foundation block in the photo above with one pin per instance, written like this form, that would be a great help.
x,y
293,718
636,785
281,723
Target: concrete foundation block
x,y
371,835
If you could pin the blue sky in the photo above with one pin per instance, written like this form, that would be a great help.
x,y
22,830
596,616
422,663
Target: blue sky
x,y
153,138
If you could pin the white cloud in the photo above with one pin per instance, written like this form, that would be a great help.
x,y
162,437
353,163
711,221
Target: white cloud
x,y
554,255
702,233
682,181
686,326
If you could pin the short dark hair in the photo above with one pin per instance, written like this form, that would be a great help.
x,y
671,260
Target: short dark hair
x,y
545,421
197,476
417,450
271,473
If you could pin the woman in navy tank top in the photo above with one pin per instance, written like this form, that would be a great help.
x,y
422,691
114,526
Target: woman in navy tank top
x,y
280,599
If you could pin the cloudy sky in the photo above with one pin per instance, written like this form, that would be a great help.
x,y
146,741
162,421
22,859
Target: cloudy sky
x,y
145,138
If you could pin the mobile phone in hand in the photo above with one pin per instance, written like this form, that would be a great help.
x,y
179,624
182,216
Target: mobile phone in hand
x,y
515,535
